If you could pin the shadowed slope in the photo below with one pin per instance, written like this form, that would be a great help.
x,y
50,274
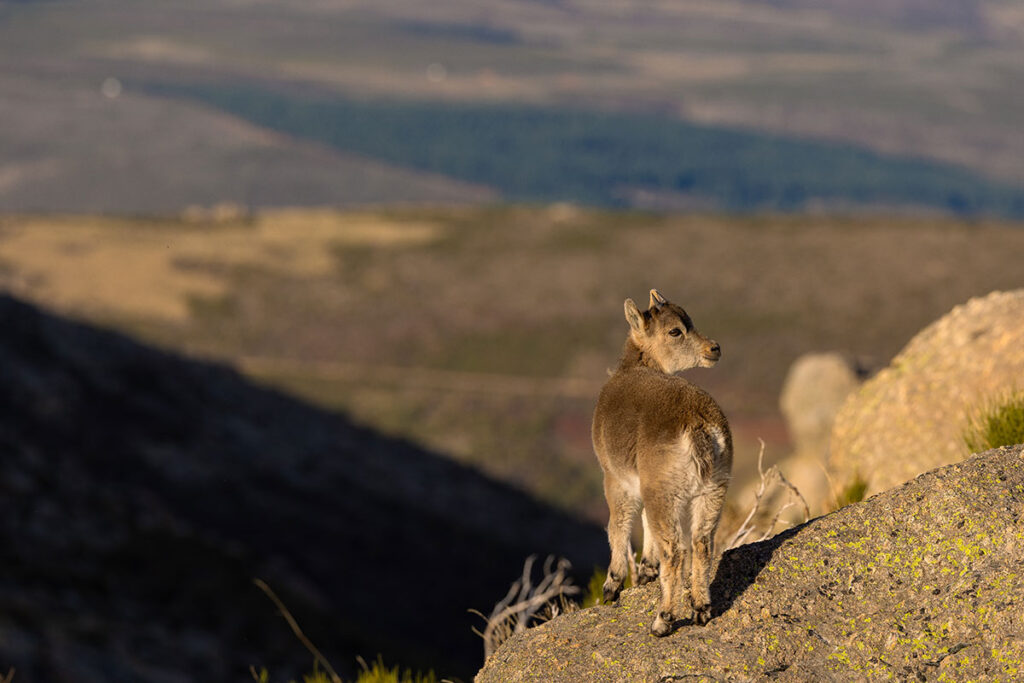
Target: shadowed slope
x,y
140,493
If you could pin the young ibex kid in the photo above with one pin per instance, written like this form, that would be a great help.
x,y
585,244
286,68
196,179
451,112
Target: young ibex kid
x,y
665,447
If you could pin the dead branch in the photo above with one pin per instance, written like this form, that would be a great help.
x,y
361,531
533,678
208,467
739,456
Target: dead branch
x,y
527,605
770,478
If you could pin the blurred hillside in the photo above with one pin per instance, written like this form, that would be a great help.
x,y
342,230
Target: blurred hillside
x,y
112,105
485,334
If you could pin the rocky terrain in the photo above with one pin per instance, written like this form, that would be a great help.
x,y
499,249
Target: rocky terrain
x,y
912,416
141,492
922,582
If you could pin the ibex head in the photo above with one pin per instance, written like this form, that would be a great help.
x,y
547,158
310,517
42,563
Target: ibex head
x,y
666,335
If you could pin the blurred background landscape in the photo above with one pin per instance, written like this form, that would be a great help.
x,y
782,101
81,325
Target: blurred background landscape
x,y
738,105
422,219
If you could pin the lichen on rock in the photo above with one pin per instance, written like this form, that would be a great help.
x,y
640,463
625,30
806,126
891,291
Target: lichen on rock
x,y
923,582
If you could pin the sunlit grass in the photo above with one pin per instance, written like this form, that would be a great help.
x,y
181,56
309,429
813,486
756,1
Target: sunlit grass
x,y
171,269
595,588
323,672
852,493
999,423
378,672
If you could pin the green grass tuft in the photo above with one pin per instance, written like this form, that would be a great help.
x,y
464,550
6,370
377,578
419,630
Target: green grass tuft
x,y
379,673
375,673
595,588
318,676
854,492
1000,423
594,594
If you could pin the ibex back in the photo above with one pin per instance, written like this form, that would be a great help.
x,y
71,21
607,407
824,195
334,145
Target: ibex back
x,y
666,449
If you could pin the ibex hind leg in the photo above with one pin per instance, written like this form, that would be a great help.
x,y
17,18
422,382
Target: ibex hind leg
x,y
672,547
649,562
706,511
623,506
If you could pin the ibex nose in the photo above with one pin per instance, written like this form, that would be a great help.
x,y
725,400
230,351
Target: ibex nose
x,y
715,349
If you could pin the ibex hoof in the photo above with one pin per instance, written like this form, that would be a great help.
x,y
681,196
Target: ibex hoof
x,y
611,593
702,615
646,572
663,625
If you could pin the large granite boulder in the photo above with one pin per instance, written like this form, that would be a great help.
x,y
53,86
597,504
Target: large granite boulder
x,y
911,417
922,582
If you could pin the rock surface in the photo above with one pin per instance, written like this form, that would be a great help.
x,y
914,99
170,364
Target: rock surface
x,y
911,417
924,582
141,492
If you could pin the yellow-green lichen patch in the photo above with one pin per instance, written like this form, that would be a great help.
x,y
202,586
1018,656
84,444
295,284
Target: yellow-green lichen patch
x,y
1009,659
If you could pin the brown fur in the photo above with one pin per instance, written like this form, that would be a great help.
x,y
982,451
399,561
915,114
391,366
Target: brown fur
x,y
666,449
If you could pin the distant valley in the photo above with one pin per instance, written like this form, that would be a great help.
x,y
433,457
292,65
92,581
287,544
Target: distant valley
x,y
737,105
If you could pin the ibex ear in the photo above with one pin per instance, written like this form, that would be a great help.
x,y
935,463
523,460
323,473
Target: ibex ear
x,y
634,317
657,300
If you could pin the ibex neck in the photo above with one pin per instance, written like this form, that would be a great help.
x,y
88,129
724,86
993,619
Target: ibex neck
x,y
633,357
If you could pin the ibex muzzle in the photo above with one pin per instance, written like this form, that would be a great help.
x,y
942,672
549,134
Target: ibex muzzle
x,y
666,450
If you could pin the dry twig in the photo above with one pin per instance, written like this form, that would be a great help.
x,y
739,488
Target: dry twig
x,y
769,478
832,488
298,631
525,603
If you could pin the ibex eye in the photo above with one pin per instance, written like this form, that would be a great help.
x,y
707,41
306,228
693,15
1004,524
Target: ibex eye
x,y
675,331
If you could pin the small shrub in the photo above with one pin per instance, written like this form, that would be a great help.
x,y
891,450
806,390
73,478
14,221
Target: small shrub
x,y
1001,423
